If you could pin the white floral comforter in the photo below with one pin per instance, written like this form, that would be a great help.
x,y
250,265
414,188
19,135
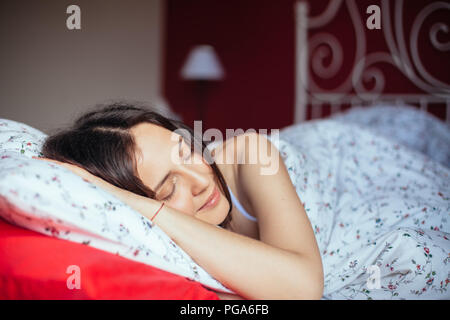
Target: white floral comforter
x,y
376,186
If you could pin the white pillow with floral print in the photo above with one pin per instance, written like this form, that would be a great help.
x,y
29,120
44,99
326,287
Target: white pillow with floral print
x,y
40,196
19,137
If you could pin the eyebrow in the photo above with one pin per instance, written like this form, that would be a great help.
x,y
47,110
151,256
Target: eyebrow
x,y
159,185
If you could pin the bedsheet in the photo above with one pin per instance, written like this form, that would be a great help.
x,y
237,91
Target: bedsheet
x,y
375,185
378,200
407,125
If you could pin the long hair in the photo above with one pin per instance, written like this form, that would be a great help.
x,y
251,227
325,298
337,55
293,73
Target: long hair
x,y
100,141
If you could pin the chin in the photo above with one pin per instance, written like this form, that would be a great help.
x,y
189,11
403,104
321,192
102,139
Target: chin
x,y
223,209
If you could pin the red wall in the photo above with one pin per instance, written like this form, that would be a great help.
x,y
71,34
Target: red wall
x,y
436,62
255,43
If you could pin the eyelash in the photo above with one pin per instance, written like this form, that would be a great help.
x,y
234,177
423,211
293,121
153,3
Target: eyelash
x,y
174,180
170,195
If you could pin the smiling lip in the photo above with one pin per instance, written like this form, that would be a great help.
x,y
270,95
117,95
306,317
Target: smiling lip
x,y
212,201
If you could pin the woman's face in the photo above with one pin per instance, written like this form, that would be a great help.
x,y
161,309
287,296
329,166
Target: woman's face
x,y
166,165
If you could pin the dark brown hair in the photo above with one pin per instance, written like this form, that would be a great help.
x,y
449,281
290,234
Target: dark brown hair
x,y
100,141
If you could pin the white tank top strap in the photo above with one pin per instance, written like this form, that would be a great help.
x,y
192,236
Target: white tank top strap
x,y
240,207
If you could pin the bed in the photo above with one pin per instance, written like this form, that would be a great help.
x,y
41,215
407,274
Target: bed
x,y
399,64
347,72
94,223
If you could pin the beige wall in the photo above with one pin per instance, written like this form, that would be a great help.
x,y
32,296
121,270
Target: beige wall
x,y
49,74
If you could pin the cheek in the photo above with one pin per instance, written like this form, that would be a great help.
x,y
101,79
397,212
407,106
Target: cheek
x,y
217,215
182,203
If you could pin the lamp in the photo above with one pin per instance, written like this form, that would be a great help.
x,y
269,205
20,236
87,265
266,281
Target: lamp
x,y
202,66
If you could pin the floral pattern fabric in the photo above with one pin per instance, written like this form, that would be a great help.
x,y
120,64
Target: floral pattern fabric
x,y
407,125
375,199
376,195
39,196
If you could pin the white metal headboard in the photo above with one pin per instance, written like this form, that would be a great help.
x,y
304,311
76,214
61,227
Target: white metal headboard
x,y
401,55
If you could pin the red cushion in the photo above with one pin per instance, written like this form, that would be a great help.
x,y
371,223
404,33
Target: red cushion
x,y
33,266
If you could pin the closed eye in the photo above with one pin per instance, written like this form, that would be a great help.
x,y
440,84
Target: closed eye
x,y
174,184
170,196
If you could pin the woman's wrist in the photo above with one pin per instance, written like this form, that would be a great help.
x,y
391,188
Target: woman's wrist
x,y
157,211
148,207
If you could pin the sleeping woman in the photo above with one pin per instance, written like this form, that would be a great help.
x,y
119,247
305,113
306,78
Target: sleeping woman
x,y
265,250
349,214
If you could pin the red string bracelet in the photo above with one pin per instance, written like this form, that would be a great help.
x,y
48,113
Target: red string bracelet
x,y
162,205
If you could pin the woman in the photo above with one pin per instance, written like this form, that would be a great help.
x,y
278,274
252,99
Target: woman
x,y
265,248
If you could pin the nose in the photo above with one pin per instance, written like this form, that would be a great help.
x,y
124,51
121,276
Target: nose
x,y
199,181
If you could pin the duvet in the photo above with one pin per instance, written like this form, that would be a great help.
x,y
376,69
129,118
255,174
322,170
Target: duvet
x,y
375,184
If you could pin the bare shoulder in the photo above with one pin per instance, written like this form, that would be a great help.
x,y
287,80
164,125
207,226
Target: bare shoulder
x,y
239,148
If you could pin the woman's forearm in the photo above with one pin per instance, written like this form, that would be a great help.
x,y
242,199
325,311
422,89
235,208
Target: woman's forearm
x,y
251,268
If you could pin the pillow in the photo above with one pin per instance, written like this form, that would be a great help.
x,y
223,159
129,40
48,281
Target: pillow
x,y
28,271
39,196
21,138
